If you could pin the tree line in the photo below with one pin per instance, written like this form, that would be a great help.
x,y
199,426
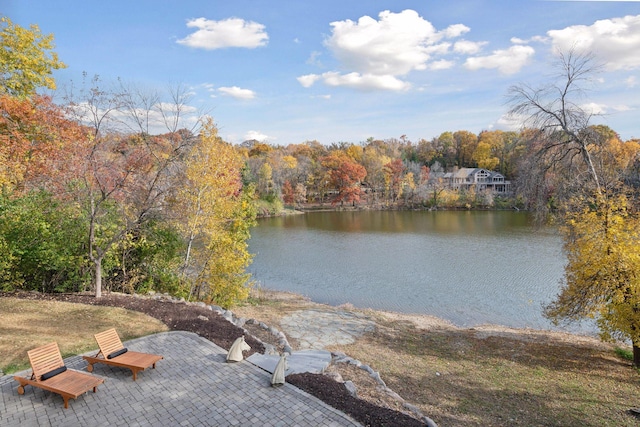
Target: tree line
x,y
91,198
406,174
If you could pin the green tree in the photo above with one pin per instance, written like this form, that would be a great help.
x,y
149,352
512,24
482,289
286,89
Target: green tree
x,y
445,146
41,244
147,258
26,59
265,180
602,277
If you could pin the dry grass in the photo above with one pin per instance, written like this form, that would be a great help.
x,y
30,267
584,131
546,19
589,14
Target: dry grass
x,y
486,376
28,324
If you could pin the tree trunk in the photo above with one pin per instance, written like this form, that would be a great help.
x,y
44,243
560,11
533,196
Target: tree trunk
x,y
98,264
636,355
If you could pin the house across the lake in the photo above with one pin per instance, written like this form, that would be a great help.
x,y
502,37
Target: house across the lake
x,y
477,179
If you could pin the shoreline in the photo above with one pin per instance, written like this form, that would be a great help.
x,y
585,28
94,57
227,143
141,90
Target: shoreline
x,y
429,322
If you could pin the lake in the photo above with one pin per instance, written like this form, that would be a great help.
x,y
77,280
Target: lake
x,y
470,267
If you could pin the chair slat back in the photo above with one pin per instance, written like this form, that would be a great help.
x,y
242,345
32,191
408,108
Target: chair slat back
x,y
108,341
44,359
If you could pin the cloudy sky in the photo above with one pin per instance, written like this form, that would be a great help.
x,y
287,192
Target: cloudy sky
x,y
288,71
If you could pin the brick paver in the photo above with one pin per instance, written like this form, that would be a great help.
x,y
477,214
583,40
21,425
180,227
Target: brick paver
x,y
192,386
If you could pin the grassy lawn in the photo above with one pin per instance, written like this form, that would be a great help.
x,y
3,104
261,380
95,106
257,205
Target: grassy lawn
x,y
28,324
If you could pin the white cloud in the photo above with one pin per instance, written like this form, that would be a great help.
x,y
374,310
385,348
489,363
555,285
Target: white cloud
x,y
308,80
631,82
621,108
376,53
594,108
539,39
395,44
456,30
615,42
356,81
258,136
507,61
510,122
169,107
232,32
441,64
238,93
468,47
365,81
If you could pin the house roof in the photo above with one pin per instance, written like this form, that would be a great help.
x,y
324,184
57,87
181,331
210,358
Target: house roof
x,y
465,172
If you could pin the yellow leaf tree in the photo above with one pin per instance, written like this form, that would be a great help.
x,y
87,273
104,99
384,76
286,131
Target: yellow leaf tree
x,y
216,214
602,276
26,59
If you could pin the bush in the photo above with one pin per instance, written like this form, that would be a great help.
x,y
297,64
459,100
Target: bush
x,y
148,258
41,244
269,207
624,353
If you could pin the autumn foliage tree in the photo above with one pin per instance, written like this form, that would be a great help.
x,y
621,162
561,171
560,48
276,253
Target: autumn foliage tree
x,y
36,141
215,214
288,193
27,60
602,243
92,186
345,175
393,176
602,277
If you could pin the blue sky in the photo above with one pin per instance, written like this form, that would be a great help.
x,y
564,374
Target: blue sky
x,y
288,71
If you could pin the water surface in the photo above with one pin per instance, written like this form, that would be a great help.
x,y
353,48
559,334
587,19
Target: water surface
x,y
470,268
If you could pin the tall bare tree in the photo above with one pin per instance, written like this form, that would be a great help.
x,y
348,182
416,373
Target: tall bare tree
x,y
556,113
125,177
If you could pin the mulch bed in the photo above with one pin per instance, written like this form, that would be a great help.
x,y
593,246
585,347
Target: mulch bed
x,y
182,317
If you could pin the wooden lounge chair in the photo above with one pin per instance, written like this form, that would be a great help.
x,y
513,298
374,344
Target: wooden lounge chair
x,y
112,352
49,373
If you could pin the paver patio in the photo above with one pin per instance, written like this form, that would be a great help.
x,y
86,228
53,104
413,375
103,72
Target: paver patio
x,y
192,386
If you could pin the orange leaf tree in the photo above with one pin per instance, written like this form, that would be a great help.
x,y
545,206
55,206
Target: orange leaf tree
x,y
345,175
37,141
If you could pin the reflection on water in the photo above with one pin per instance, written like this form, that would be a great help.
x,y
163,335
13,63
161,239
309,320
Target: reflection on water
x,y
468,267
